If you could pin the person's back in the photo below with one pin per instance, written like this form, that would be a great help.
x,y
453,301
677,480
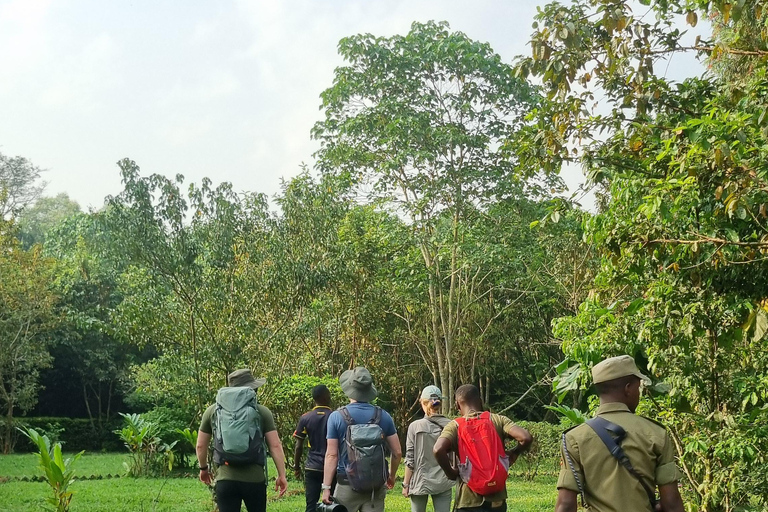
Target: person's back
x,y
470,407
358,386
589,466
423,475
312,428
361,413
609,485
429,477
237,481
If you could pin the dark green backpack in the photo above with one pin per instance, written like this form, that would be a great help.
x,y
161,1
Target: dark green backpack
x,y
237,436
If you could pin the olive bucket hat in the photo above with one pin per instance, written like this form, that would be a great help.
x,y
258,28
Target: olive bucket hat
x,y
244,379
615,368
357,384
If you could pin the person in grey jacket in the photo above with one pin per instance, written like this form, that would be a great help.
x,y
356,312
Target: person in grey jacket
x,y
423,475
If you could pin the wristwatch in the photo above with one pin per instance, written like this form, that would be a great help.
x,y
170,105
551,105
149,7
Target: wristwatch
x,y
203,468
325,487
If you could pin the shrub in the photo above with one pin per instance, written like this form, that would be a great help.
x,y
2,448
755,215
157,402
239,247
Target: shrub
x,y
186,449
150,455
544,455
75,434
292,397
59,473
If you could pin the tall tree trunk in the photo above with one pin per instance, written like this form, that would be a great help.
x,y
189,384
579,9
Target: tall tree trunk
x,y
193,332
88,406
109,399
8,437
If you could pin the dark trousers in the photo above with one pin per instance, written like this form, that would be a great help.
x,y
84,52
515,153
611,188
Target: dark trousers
x,y
313,480
229,494
486,507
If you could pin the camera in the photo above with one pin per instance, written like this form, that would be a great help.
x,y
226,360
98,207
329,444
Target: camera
x,y
333,507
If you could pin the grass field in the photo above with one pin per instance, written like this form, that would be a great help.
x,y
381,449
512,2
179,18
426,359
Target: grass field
x,y
187,494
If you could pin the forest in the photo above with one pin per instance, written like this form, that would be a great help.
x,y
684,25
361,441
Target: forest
x,y
432,240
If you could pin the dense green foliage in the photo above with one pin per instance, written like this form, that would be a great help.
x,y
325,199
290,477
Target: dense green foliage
x,y
682,226
423,125
26,318
75,434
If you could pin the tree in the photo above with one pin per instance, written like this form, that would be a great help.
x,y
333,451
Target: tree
x,y
37,220
19,184
424,124
90,363
183,290
26,316
682,233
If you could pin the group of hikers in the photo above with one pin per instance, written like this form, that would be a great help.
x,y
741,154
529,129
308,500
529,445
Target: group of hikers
x,y
615,461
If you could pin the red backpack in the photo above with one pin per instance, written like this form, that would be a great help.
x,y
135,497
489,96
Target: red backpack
x,y
483,463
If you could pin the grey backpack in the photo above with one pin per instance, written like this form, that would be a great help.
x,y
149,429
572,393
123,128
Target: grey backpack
x,y
366,449
237,436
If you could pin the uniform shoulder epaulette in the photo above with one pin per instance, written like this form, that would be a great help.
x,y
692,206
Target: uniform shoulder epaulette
x,y
573,428
569,429
654,421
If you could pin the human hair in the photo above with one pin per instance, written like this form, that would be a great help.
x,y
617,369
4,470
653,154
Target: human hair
x,y
431,406
321,394
469,394
615,385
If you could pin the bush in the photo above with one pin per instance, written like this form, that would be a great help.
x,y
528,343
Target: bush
x,y
150,455
75,434
544,455
291,398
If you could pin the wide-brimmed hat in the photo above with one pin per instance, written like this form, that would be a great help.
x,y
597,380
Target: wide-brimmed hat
x,y
615,368
357,384
243,378
432,393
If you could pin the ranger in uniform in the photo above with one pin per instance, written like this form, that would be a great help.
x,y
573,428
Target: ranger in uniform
x,y
589,469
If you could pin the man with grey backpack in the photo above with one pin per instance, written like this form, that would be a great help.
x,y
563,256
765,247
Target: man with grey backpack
x,y
360,436
240,427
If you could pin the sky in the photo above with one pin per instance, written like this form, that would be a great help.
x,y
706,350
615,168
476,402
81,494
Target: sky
x,y
225,89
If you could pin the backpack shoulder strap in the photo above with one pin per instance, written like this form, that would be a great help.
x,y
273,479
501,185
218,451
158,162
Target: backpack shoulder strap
x,y
348,419
376,416
604,428
434,422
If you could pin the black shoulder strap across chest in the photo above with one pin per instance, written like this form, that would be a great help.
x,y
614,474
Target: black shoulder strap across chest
x,y
611,435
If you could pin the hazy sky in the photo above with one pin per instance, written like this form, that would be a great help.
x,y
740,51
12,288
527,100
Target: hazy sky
x,y
225,89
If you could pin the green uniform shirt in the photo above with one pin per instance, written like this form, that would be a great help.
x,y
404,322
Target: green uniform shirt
x,y
466,497
608,486
252,472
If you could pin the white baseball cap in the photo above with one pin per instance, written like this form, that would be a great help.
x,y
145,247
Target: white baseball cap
x,y
431,392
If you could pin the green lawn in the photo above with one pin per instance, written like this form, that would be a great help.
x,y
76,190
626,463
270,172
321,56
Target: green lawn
x,y
188,494
89,464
